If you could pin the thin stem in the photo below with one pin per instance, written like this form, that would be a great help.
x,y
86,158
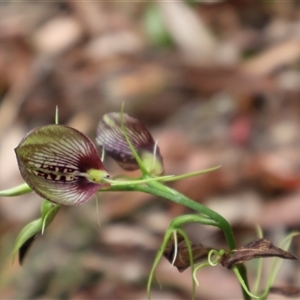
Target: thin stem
x,y
242,282
166,192
188,175
259,265
160,190
16,191
56,119
134,152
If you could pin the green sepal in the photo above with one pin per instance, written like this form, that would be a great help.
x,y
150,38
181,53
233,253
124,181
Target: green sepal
x,y
28,232
31,231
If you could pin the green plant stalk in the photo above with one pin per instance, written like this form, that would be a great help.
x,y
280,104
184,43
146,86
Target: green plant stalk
x,y
16,191
160,190
259,265
275,265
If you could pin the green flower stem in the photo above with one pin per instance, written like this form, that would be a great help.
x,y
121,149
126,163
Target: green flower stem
x,y
166,192
16,191
160,190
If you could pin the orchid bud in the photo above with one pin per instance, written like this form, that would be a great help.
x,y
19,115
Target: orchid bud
x,y
61,164
111,139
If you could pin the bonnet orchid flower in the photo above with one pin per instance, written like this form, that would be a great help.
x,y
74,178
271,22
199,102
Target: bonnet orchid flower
x,y
61,165
111,139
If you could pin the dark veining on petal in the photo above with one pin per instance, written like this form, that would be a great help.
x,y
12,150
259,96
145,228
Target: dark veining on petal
x,y
111,137
54,159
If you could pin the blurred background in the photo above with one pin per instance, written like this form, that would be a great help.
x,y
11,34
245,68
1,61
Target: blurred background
x,y
216,82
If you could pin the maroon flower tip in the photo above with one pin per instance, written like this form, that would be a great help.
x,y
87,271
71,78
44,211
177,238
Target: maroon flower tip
x,y
111,138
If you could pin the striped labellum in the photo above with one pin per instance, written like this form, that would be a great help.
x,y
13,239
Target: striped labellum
x,y
61,164
54,171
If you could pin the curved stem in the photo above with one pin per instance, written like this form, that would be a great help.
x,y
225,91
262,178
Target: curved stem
x,y
168,193
16,191
160,190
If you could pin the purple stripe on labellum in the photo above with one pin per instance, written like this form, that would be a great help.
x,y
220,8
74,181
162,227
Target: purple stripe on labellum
x,y
111,138
55,161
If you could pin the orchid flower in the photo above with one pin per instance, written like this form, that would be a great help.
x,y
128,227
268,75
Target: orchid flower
x,y
61,165
112,140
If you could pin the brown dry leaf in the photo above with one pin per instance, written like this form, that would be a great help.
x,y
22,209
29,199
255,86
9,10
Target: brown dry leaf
x,y
182,259
255,249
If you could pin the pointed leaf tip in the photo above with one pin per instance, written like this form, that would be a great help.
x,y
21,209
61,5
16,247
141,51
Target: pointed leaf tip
x,y
258,248
23,250
34,229
55,162
26,237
